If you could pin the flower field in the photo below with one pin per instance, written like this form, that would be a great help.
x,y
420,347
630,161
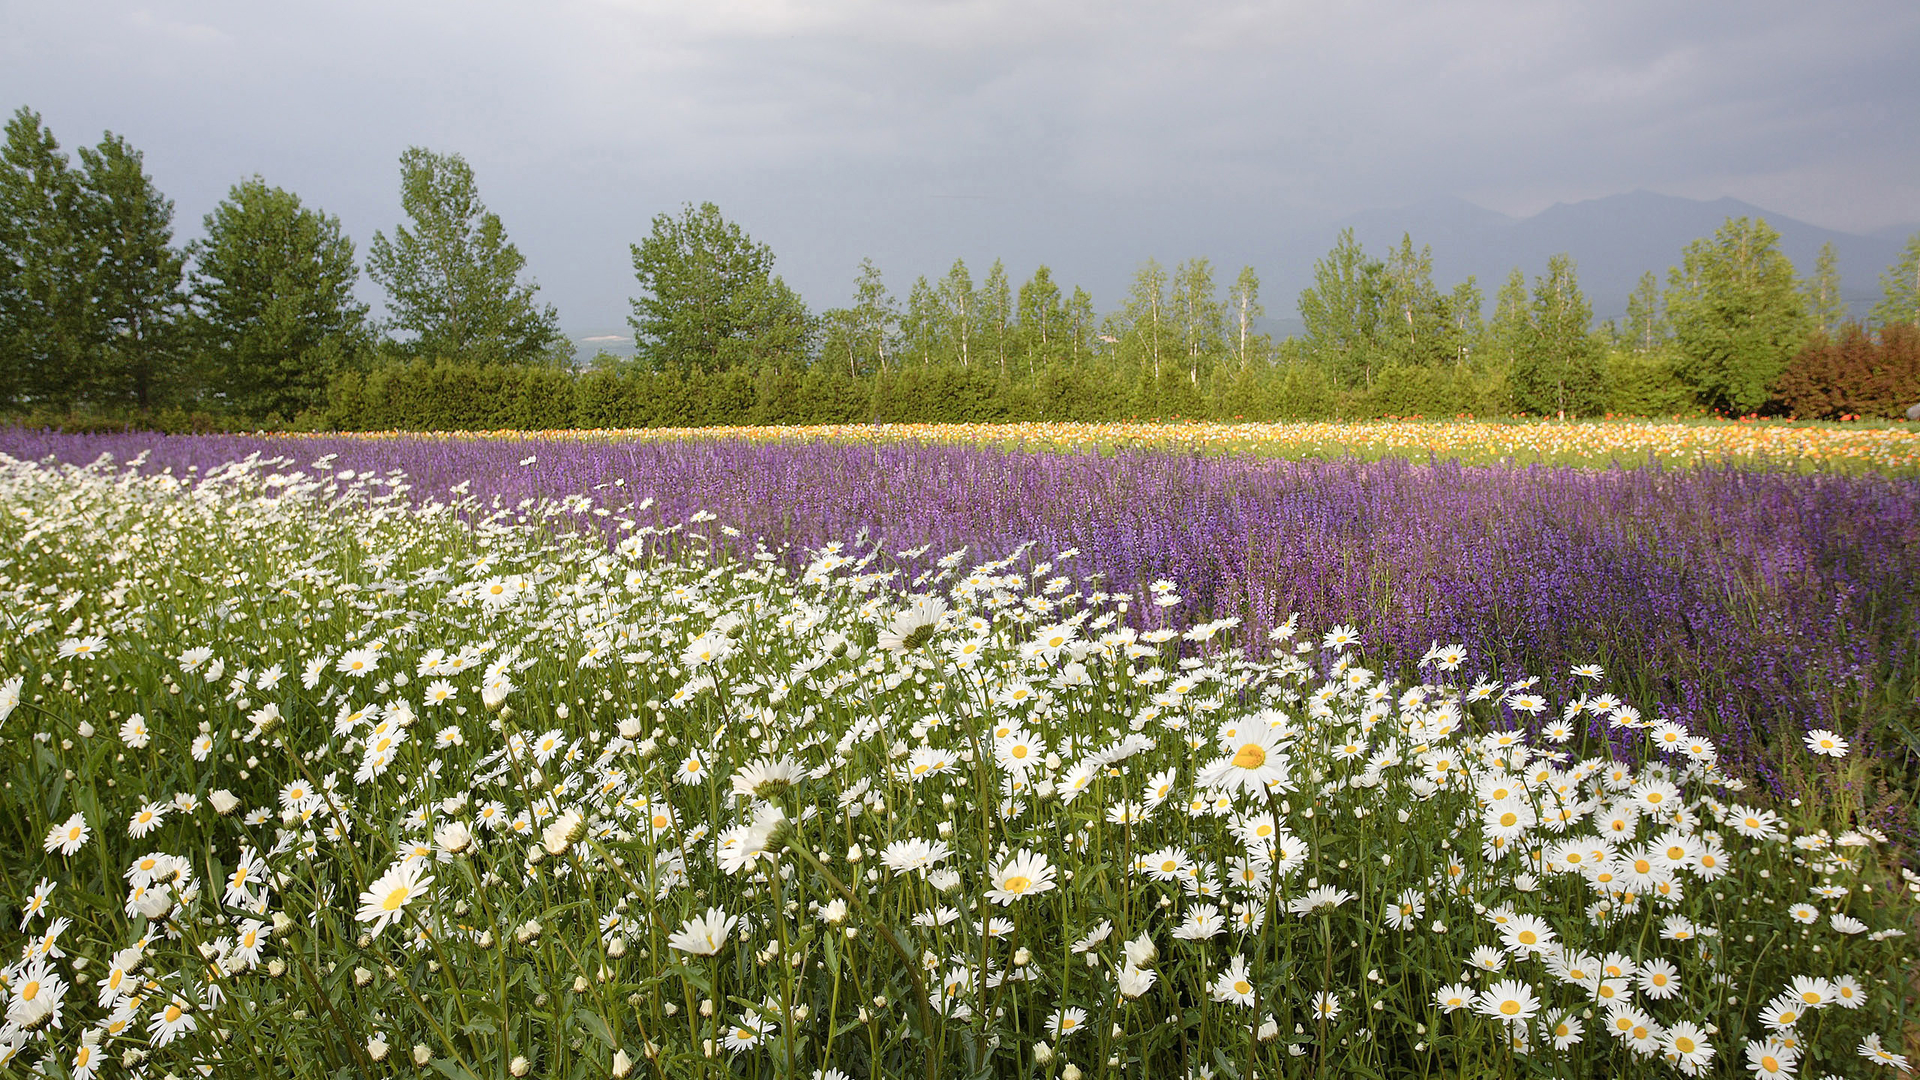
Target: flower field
x,y
377,759
1776,444
1741,602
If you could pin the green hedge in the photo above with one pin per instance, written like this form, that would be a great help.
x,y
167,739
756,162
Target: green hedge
x,y
443,396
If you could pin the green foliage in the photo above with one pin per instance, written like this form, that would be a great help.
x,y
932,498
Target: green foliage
x,y
1243,307
1646,328
1416,326
138,283
1644,383
1342,312
91,299
1737,314
48,336
453,279
1900,288
276,316
709,299
1557,371
1825,308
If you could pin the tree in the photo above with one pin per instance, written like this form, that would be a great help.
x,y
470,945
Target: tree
x,y
1197,314
859,338
453,279
1824,305
709,299
1646,326
1465,316
1510,334
1147,329
1417,322
1243,302
1342,312
90,284
1042,333
875,315
138,289
961,313
1737,313
1900,287
1558,369
996,311
1081,324
50,340
276,316
922,324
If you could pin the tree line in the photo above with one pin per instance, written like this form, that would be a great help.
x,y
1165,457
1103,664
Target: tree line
x,y
104,319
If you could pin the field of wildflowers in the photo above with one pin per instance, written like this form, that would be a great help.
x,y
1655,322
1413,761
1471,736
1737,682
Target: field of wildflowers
x,y
318,768
1752,604
1872,446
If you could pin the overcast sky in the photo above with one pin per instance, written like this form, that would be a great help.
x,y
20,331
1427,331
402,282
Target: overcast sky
x,y
1087,134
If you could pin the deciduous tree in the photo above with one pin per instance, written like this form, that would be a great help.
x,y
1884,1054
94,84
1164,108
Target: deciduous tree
x,y
453,279
1558,370
1900,288
1737,313
1342,313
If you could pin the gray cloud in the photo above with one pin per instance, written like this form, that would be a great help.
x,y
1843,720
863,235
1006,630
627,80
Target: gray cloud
x,y
1089,135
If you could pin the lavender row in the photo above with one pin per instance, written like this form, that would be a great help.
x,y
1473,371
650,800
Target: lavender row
x,y
1739,602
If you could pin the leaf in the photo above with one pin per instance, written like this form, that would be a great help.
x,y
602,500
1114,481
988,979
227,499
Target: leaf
x,y
597,1024
454,1070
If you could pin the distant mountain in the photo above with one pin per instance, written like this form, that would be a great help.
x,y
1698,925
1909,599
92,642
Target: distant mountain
x,y
1613,240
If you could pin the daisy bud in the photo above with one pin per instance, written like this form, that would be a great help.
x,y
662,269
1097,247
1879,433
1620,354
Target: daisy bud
x,y
223,801
622,1064
453,838
1042,1053
563,831
579,984
421,1055
377,1048
276,968
361,976
1071,1072
617,948
519,1066
86,730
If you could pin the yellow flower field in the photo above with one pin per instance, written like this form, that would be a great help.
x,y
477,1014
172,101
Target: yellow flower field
x,y
1892,448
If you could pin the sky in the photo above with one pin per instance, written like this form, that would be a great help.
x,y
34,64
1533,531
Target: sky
x,y
1086,135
